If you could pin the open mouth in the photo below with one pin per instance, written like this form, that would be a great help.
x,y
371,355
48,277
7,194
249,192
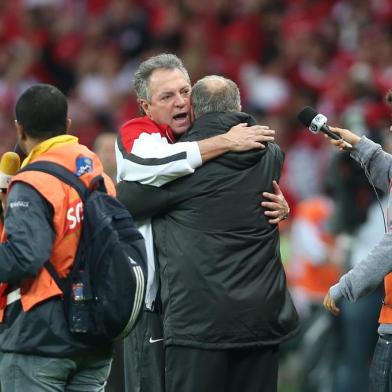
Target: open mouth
x,y
180,116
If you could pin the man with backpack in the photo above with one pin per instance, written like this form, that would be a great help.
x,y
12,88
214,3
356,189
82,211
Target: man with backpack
x,y
43,228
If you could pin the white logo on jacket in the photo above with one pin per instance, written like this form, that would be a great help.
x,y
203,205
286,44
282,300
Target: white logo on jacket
x,y
19,203
75,215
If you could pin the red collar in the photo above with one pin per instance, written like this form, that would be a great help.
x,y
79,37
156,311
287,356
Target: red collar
x,y
132,129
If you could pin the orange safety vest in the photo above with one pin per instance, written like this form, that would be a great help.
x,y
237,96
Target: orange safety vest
x,y
315,280
67,208
386,309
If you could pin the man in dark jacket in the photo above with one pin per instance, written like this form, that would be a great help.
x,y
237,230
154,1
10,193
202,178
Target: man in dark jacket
x,y
225,300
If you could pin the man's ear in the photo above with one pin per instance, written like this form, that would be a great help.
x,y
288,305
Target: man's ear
x,y
192,115
21,134
145,106
69,123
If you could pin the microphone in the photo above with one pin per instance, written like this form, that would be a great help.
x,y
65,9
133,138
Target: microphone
x,y
317,122
9,166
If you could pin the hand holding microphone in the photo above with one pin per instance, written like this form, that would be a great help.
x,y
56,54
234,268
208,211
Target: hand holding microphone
x,y
347,140
9,166
316,122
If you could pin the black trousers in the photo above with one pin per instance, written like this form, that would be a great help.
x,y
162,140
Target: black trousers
x,y
138,364
234,370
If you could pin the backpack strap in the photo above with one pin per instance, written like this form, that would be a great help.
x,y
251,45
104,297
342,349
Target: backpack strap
x,y
69,178
61,173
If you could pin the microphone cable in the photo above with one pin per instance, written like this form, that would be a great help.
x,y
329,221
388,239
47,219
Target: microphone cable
x,y
367,174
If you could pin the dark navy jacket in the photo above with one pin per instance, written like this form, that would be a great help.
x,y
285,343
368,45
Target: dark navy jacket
x,y
222,280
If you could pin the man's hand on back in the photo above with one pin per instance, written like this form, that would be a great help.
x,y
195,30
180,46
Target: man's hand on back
x,y
278,208
244,138
238,138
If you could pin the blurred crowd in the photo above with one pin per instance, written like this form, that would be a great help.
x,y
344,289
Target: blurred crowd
x,y
333,55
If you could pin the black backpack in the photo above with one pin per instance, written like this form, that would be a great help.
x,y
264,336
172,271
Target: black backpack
x,y
104,291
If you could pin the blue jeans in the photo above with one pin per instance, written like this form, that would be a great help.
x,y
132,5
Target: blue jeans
x,y
381,368
357,336
32,373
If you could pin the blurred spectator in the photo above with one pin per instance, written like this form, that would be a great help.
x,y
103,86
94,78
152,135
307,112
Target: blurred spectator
x,y
104,148
313,266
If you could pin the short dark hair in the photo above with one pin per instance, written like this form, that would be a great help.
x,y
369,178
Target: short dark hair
x,y
42,111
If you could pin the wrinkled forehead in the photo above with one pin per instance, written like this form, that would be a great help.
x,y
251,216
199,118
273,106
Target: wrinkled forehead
x,y
167,81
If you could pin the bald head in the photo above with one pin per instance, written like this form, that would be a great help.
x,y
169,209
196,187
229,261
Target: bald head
x,y
215,94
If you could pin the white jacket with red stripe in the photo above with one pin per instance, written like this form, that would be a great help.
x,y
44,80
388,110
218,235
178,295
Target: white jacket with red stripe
x,y
146,153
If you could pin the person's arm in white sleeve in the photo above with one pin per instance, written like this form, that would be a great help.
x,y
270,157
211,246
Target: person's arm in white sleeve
x,y
152,160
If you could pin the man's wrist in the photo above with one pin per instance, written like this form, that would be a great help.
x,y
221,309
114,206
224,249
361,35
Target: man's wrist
x,y
335,292
356,140
226,143
286,214
213,147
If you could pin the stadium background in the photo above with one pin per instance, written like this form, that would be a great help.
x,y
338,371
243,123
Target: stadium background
x,y
333,55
